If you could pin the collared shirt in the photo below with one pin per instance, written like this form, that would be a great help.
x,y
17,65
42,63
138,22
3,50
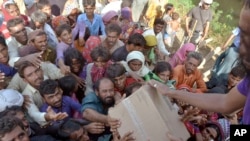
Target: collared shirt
x,y
68,105
160,43
13,46
49,70
33,108
96,26
48,55
91,101
60,48
179,74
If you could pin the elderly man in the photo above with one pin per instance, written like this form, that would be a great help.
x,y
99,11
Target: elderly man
x,y
38,42
188,74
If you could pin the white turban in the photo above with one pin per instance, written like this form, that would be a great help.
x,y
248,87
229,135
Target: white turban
x,y
10,97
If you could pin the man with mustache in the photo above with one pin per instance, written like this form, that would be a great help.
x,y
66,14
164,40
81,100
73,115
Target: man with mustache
x,y
188,74
95,106
239,96
33,75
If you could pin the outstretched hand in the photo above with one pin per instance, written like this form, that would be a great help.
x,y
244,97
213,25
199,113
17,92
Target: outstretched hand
x,y
52,116
161,88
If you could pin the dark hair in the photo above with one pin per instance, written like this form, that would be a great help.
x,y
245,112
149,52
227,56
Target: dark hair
x,y
175,16
115,70
40,33
161,67
2,42
101,52
48,87
113,28
8,124
72,53
159,21
238,71
137,40
67,84
98,82
217,127
41,3
168,6
11,111
88,2
195,55
69,127
247,4
62,28
13,22
130,87
23,66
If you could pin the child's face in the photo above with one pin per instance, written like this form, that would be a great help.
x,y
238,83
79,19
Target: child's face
x,y
233,80
66,37
75,66
47,10
100,63
89,10
165,75
13,10
135,65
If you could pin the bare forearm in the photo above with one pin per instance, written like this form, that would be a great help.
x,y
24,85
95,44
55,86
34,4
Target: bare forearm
x,y
94,116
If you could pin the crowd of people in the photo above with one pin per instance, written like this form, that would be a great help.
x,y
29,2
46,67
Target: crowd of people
x,y
64,63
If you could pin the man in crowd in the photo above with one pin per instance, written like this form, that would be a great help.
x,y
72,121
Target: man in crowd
x,y
188,73
198,20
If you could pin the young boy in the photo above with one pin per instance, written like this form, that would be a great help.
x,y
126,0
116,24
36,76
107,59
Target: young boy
x,y
45,7
219,85
92,21
64,34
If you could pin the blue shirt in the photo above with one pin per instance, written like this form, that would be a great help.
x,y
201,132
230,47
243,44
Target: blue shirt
x,y
68,106
91,101
96,25
7,70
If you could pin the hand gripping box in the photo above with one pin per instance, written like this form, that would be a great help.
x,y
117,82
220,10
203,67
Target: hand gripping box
x,y
149,115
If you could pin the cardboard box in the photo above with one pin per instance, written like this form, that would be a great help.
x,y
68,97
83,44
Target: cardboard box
x,y
150,115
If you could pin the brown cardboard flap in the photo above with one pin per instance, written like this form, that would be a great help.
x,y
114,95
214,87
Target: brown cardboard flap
x,y
149,115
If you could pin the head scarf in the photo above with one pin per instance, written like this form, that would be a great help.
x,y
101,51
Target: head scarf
x,y
10,97
180,55
126,13
59,20
138,56
108,16
151,41
6,14
91,43
69,6
225,126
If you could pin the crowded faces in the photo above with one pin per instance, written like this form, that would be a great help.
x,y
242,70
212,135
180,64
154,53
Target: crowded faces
x,y
12,129
188,73
93,21
52,95
96,104
117,73
64,34
136,42
111,40
96,70
34,76
38,43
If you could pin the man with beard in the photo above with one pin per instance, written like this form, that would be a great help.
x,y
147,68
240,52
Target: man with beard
x,y
34,76
95,106
239,96
188,74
